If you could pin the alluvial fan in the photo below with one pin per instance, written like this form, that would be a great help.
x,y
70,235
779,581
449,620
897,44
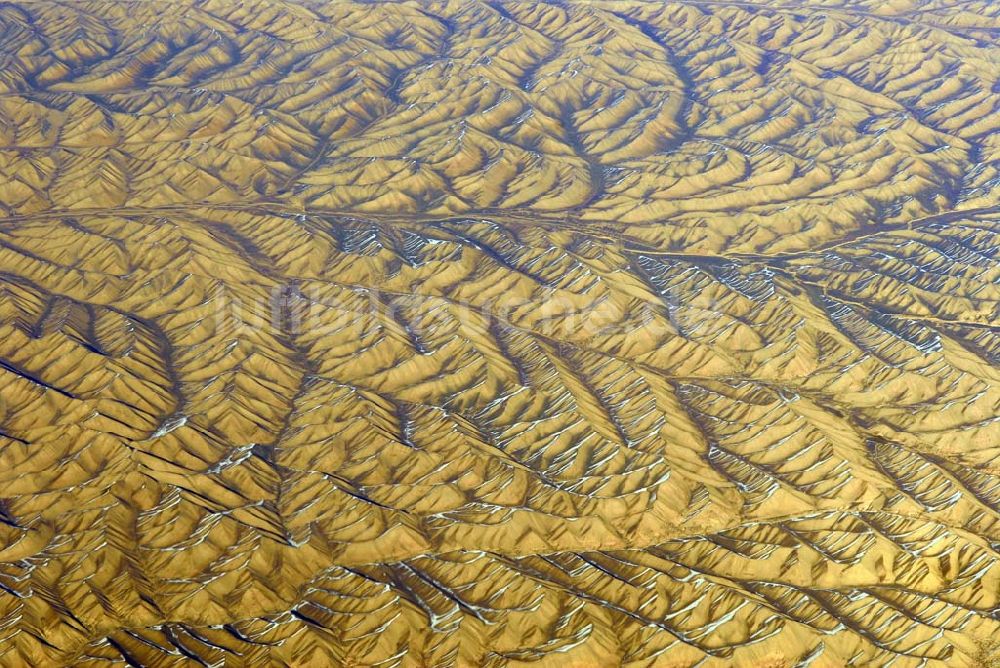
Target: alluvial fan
x,y
610,333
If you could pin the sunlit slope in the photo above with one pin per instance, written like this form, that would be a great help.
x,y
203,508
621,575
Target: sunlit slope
x,y
785,127
491,335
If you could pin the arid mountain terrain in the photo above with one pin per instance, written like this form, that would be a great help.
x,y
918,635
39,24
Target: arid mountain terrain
x,y
556,334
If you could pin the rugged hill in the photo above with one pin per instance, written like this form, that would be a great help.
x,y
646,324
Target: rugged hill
x,y
496,334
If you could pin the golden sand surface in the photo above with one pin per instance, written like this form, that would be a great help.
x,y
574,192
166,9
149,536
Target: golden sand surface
x,y
611,333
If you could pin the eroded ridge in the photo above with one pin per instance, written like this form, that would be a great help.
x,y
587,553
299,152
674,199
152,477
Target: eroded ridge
x,y
490,334
248,437
785,126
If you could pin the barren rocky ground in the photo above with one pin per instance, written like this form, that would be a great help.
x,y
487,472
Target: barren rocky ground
x,y
499,333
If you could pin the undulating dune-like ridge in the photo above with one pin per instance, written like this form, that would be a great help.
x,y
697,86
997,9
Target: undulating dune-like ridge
x,y
499,334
